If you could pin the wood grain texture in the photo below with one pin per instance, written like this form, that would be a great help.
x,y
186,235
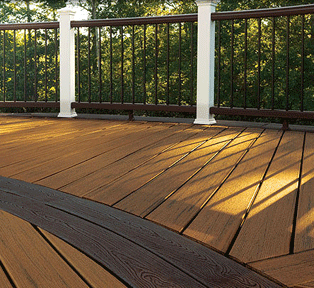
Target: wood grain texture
x,y
4,282
134,264
267,230
93,273
93,165
132,181
29,260
304,238
177,211
79,153
292,270
121,167
142,201
218,222
203,264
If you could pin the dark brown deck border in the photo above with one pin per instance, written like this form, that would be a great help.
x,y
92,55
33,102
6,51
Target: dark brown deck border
x,y
129,246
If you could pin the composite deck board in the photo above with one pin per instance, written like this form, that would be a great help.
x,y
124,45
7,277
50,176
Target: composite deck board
x,y
292,270
151,195
29,260
94,274
135,179
110,173
86,151
79,172
177,211
267,230
304,239
219,220
134,264
4,281
49,148
205,265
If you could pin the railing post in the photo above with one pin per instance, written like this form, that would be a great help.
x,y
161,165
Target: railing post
x,y
67,63
205,61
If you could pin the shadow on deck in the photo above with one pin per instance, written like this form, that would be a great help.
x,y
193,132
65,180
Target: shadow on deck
x,y
236,203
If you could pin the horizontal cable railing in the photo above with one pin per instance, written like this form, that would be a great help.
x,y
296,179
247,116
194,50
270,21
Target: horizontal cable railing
x,y
265,62
29,65
137,63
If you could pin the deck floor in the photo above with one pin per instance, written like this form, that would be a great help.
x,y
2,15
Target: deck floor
x,y
244,192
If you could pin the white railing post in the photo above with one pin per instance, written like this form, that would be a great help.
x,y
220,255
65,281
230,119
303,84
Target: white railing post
x,y
67,63
205,61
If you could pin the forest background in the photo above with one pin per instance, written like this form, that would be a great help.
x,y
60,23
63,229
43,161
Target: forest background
x,y
18,51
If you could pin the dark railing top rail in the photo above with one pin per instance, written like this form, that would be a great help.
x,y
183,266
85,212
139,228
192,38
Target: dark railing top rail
x,y
263,13
20,26
136,21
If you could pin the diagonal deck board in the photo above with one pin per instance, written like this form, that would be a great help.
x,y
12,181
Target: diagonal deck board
x,y
162,167
177,211
215,271
92,166
290,269
80,152
221,217
137,178
141,202
304,227
4,281
268,227
29,259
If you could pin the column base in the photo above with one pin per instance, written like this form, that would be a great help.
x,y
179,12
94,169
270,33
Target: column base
x,y
209,121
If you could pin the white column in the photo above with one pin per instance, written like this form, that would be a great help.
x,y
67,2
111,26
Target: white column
x,y
67,63
205,61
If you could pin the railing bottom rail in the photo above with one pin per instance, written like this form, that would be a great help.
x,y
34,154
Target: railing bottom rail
x,y
39,104
292,114
130,107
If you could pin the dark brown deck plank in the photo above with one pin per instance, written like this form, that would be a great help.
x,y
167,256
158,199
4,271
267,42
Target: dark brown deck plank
x,y
179,209
79,172
151,195
292,270
4,282
93,273
134,264
194,259
132,181
218,222
29,260
267,230
304,226
80,152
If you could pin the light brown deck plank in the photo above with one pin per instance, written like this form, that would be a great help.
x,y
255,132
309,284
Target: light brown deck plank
x,y
151,195
132,181
220,219
29,260
4,282
177,211
295,269
305,225
80,152
79,172
94,274
48,148
267,230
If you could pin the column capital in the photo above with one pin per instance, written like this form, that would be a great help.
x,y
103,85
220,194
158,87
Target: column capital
x,y
207,2
66,10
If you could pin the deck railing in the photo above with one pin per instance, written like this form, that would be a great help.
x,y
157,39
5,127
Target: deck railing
x,y
264,63
270,72
29,65
136,63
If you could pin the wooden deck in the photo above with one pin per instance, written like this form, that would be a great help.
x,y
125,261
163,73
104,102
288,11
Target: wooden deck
x,y
245,193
